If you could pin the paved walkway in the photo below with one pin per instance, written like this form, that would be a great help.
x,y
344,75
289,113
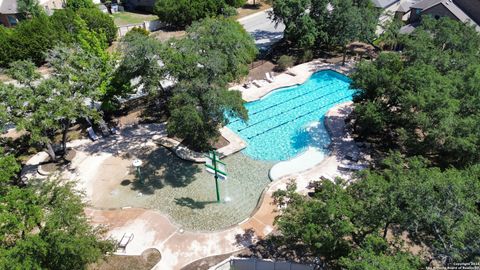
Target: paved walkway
x,y
152,229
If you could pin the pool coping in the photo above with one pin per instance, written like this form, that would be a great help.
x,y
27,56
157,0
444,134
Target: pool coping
x,y
301,73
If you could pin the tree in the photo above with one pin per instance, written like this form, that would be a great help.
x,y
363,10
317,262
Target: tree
x,y
45,227
351,20
72,30
8,169
31,39
391,33
325,23
236,3
142,68
53,104
79,4
198,110
6,47
219,49
213,53
29,8
376,254
99,22
338,224
423,101
320,226
180,13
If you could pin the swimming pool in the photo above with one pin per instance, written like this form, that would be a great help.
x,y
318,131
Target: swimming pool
x,y
289,120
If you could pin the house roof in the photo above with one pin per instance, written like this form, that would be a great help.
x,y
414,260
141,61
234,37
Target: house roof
x,y
426,4
383,3
408,29
405,5
448,4
8,6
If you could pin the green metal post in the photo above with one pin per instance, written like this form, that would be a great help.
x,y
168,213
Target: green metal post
x,y
214,163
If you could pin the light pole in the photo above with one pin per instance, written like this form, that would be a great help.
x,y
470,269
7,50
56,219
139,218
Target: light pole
x,y
137,163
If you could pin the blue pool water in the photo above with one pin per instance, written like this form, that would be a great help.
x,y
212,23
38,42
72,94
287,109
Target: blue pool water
x,y
279,125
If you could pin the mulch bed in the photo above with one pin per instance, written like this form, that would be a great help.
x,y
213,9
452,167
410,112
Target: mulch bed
x,y
145,261
50,167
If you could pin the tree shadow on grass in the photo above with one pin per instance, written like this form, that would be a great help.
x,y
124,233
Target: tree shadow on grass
x,y
191,203
160,168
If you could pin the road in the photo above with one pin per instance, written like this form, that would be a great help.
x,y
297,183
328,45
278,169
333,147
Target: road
x,y
262,29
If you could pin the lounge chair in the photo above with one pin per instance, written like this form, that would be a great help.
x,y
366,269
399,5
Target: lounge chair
x,y
290,72
104,129
353,156
352,167
91,134
272,75
268,77
126,238
114,130
256,83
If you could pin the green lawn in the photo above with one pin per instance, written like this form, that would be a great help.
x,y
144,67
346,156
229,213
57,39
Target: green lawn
x,y
124,18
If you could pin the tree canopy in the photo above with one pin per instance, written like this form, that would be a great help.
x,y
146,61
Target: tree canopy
x,y
343,223
42,108
214,51
425,100
31,39
181,13
45,228
324,22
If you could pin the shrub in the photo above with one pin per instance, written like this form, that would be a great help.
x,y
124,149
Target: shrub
x,y
307,55
180,13
6,46
32,38
138,30
229,11
99,22
236,3
78,4
284,62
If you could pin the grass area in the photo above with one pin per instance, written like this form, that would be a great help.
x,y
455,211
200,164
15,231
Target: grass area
x,y
124,18
249,9
146,261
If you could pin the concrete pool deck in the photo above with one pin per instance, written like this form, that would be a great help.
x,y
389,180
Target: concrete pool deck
x,y
152,229
294,76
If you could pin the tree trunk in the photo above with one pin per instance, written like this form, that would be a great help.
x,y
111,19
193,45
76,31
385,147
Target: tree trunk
x,y
51,152
385,230
66,126
344,55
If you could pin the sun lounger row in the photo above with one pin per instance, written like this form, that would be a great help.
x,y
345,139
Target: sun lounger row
x,y
352,167
104,129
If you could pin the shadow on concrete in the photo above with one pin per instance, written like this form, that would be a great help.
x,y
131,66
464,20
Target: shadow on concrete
x,y
161,167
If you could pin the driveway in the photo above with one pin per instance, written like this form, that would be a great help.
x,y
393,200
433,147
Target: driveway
x,y
262,29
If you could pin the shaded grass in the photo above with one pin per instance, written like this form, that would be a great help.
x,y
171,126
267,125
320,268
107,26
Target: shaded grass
x,y
125,18
146,261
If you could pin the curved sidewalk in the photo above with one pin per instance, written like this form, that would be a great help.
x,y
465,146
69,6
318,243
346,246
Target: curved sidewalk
x,y
152,229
